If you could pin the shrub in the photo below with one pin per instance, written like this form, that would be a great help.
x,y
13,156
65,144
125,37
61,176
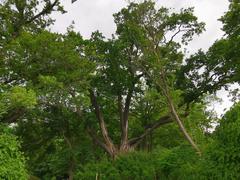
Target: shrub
x,y
12,164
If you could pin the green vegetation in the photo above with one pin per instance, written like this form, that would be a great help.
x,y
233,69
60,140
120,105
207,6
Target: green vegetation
x,y
129,107
12,159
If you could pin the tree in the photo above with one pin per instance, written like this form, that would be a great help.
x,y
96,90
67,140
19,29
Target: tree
x,y
54,66
17,16
207,72
139,53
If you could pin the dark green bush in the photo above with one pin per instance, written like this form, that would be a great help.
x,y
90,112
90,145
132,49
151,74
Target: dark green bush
x,y
224,152
177,163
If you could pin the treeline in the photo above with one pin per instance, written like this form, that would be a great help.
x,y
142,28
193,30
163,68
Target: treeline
x,y
129,107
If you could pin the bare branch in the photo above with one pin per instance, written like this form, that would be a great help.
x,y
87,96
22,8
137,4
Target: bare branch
x,y
46,10
175,34
98,141
150,128
175,114
124,122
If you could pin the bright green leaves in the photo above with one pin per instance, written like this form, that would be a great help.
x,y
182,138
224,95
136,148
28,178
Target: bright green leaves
x,y
49,83
223,153
17,98
3,109
20,97
159,164
228,130
12,160
46,79
132,166
50,59
142,22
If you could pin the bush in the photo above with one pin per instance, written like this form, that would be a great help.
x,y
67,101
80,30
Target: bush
x,y
160,164
136,165
224,153
12,164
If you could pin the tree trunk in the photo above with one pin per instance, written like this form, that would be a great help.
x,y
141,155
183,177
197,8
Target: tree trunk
x,y
110,147
72,159
175,114
70,174
181,126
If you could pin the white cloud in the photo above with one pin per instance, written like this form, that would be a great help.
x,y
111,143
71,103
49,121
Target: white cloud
x,y
89,16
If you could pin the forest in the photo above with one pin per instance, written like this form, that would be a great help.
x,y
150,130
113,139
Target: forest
x,y
129,107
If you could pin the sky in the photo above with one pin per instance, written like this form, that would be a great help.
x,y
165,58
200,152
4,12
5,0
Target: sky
x,y
92,15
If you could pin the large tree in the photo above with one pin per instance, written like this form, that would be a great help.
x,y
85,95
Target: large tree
x,y
16,17
54,66
143,55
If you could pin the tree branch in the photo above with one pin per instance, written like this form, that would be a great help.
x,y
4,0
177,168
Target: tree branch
x,y
124,123
120,110
175,114
98,141
101,121
67,140
13,115
120,107
175,34
150,128
46,10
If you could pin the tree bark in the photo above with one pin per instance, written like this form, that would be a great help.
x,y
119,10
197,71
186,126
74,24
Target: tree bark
x,y
181,126
111,148
99,142
72,160
124,124
70,172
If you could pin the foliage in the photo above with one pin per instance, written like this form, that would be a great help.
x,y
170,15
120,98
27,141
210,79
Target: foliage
x,y
25,15
12,159
102,108
160,164
207,72
224,152
16,98
20,97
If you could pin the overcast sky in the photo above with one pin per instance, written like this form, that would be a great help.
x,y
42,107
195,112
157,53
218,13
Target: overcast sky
x,y
92,15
